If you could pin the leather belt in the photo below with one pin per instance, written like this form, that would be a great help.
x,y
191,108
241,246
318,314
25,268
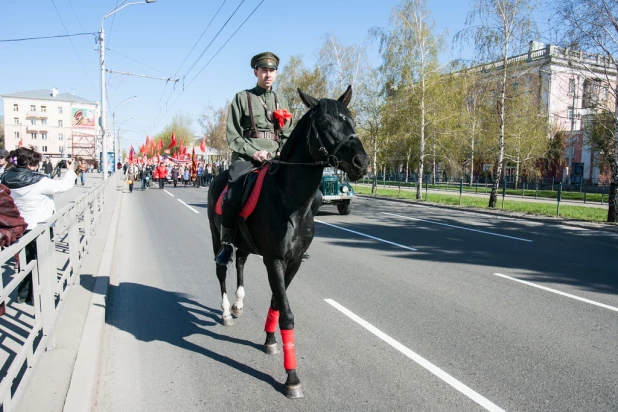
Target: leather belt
x,y
261,135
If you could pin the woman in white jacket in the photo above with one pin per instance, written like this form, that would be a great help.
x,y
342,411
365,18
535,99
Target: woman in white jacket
x,y
33,194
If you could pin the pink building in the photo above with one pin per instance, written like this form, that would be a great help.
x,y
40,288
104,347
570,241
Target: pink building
x,y
573,86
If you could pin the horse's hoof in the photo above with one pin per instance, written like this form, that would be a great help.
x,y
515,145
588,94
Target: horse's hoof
x,y
271,349
236,311
228,321
294,391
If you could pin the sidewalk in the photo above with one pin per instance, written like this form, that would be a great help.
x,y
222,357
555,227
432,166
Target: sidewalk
x,y
47,390
486,196
91,180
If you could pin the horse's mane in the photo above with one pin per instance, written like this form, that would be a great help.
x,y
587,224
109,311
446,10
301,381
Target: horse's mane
x,y
331,107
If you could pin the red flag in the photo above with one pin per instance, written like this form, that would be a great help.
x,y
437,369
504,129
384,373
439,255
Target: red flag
x,y
203,144
172,142
20,144
131,153
160,146
147,140
193,163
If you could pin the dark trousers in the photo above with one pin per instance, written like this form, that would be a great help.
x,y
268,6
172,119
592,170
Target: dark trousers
x,y
25,288
161,183
131,188
232,203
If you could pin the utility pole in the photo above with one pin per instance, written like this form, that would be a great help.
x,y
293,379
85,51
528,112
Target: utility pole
x,y
103,122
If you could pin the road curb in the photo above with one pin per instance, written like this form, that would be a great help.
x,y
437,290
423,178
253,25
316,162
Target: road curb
x,y
538,218
82,389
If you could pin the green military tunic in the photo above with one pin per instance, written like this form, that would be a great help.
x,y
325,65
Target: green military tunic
x,y
239,121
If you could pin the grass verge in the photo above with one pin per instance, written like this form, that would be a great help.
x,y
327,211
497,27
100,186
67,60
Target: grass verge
x,y
545,209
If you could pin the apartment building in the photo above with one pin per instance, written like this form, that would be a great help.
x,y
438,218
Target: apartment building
x,y
55,124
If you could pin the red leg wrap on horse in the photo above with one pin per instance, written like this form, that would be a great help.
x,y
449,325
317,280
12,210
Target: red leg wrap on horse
x,y
289,354
271,321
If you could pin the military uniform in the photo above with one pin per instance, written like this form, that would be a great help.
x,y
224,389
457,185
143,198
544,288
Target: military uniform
x,y
251,128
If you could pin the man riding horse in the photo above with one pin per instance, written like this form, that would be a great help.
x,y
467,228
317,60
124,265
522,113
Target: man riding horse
x,y
254,136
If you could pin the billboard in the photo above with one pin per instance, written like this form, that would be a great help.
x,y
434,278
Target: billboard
x,y
82,117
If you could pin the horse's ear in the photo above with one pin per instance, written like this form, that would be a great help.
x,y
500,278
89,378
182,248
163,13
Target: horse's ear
x,y
308,100
346,97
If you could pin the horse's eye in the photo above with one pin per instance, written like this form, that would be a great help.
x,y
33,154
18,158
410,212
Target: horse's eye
x,y
343,117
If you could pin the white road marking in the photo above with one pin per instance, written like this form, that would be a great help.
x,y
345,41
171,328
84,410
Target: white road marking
x,y
168,193
592,302
458,227
369,236
475,396
187,206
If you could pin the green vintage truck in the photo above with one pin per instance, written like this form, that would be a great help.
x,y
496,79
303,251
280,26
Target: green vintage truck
x,y
336,191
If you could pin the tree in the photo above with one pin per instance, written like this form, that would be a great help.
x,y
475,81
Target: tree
x,y
504,26
214,126
341,65
409,51
181,126
599,137
593,25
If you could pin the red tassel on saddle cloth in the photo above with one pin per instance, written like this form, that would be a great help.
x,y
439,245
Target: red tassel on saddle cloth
x,y
289,354
271,321
282,115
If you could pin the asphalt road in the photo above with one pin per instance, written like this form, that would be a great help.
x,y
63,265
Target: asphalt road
x,y
409,308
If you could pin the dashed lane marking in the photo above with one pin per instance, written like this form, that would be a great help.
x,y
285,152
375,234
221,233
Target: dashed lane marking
x,y
470,393
534,285
187,206
458,227
366,235
168,193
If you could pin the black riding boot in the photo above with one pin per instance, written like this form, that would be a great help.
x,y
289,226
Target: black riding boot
x,y
227,248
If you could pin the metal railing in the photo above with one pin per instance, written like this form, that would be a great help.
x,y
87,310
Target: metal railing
x,y
61,245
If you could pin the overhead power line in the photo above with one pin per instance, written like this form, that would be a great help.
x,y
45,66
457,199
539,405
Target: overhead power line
x,y
46,37
215,55
198,40
74,49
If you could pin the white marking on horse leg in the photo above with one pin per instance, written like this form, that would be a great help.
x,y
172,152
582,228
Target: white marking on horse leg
x,y
225,307
237,307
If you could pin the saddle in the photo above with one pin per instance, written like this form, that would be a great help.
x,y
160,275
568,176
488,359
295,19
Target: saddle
x,y
251,193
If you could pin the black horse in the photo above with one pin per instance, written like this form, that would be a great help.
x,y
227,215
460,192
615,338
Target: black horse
x,y
282,226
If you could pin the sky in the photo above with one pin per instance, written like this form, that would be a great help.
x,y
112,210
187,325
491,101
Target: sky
x,y
154,40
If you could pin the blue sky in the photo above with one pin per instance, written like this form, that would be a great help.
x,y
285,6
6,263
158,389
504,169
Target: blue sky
x,y
154,39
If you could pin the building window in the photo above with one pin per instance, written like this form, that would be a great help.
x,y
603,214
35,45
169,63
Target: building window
x,y
571,87
59,109
60,136
44,149
33,122
605,93
59,123
33,135
15,108
15,120
32,108
44,108
16,135
44,136
44,122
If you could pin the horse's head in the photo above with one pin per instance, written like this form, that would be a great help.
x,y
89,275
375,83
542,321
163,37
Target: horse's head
x,y
332,137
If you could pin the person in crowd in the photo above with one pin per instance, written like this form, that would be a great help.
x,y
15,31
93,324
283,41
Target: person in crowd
x,y
146,175
48,168
82,167
155,175
33,194
175,175
186,175
131,175
200,175
208,173
3,160
162,175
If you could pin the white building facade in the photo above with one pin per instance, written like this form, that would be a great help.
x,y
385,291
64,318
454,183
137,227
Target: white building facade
x,y
55,124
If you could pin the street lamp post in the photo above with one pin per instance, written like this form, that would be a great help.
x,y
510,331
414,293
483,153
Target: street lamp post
x,y
118,131
116,138
103,122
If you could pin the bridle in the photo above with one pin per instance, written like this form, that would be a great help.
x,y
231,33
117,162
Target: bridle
x,y
330,158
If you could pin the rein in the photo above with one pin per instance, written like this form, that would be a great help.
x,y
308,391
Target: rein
x,y
322,150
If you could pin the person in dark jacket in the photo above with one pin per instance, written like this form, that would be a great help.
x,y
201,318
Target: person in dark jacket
x,y
175,175
48,168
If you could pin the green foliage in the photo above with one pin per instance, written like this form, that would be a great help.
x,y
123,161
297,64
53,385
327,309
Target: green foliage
x,y
600,137
181,126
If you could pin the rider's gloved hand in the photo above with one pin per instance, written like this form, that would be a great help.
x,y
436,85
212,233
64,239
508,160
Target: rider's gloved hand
x,y
261,156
